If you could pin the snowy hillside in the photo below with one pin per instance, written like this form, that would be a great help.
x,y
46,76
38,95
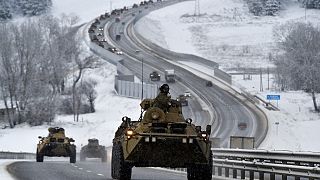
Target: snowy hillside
x,y
225,32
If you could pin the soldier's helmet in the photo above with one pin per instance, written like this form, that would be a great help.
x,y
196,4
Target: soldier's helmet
x,y
164,88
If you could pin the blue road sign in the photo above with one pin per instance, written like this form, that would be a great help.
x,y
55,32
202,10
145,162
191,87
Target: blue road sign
x,y
273,97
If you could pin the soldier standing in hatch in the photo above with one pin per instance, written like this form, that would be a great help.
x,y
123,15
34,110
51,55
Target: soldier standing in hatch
x,y
162,101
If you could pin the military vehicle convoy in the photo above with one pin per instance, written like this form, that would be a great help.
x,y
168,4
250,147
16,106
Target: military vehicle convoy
x,y
162,137
93,150
155,76
56,144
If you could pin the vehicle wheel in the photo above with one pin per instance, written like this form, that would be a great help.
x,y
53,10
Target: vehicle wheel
x,y
73,154
39,157
119,169
200,172
82,156
104,157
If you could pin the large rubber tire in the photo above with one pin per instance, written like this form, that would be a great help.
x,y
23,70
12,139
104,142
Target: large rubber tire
x,y
200,171
73,154
39,156
119,168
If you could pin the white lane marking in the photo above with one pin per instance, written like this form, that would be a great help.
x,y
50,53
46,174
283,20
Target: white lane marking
x,y
80,168
76,166
89,171
100,174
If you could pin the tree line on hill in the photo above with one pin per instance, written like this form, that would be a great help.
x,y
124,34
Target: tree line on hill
x,y
41,70
272,7
11,8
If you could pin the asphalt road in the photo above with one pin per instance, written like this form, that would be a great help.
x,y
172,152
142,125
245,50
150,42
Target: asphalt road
x,y
92,169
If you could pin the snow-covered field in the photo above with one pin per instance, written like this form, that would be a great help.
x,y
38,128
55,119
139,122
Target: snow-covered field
x,y
225,32
228,35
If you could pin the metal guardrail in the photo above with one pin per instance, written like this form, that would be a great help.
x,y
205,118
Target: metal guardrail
x,y
248,163
16,155
241,164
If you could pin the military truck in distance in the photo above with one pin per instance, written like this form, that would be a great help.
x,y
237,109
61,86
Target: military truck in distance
x,y
93,150
56,144
161,139
183,100
118,37
169,75
155,76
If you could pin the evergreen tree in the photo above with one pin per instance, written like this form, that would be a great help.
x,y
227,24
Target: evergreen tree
x,y
272,7
255,7
5,10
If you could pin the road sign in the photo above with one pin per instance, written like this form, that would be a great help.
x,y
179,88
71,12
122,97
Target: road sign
x,y
273,97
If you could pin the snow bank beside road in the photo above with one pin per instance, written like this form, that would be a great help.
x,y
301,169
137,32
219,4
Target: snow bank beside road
x,y
4,175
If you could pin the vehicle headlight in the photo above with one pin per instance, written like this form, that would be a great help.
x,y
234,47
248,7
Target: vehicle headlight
x,y
129,132
155,115
204,135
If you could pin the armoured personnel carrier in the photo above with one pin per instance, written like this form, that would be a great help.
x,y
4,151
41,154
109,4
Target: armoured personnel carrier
x,y
93,150
56,144
162,137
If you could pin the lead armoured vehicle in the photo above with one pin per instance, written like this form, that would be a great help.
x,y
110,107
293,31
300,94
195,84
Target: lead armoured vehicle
x,y
162,137
56,144
93,150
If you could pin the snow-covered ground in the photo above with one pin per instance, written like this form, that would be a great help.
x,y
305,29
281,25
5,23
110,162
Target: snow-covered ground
x,y
225,32
228,35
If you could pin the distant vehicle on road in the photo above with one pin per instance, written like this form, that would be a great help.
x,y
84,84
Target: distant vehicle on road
x,y
170,75
118,37
187,94
56,144
93,150
183,100
209,84
154,76
112,49
242,125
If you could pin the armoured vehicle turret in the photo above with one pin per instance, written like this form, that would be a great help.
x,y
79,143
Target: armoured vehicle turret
x,y
93,150
56,144
161,137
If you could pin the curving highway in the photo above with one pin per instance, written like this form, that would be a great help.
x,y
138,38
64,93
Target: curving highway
x,y
226,107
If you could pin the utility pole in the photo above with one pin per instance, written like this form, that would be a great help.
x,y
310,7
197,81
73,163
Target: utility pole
x,y
268,78
197,9
261,84
138,53
110,6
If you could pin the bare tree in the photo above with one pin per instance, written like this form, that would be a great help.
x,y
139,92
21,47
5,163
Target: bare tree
x,y
8,71
81,64
299,64
90,93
